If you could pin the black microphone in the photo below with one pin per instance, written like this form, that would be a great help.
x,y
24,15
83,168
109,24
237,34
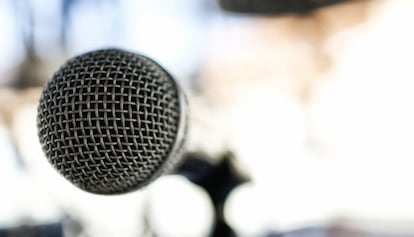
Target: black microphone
x,y
111,121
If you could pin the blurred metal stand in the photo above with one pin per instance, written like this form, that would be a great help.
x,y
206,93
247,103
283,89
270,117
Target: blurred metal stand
x,y
218,180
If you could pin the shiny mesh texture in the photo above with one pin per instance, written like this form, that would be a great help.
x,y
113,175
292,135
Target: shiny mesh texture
x,y
108,120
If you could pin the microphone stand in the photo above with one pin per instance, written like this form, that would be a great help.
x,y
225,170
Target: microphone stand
x,y
218,180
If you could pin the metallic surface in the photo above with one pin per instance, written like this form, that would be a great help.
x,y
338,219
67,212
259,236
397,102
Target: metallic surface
x,y
111,121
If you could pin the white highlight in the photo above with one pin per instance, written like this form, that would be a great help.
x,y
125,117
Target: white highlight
x,y
179,208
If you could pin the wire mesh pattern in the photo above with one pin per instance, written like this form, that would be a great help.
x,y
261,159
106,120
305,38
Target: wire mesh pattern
x,y
108,120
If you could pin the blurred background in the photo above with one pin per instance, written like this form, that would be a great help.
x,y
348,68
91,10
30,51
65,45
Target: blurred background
x,y
302,117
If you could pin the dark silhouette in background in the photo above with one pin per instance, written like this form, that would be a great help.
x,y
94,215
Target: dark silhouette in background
x,y
275,7
218,180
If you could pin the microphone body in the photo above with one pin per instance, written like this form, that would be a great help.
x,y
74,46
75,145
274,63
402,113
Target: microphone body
x,y
111,121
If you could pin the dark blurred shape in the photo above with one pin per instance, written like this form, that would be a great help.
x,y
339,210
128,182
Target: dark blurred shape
x,y
275,7
218,180
46,230
28,72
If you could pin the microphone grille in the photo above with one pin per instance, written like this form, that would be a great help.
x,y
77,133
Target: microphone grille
x,y
109,120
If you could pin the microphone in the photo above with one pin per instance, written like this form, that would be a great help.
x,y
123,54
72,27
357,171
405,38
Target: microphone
x,y
112,121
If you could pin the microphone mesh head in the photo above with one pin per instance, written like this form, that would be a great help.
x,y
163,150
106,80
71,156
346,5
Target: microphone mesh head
x,y
110,121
